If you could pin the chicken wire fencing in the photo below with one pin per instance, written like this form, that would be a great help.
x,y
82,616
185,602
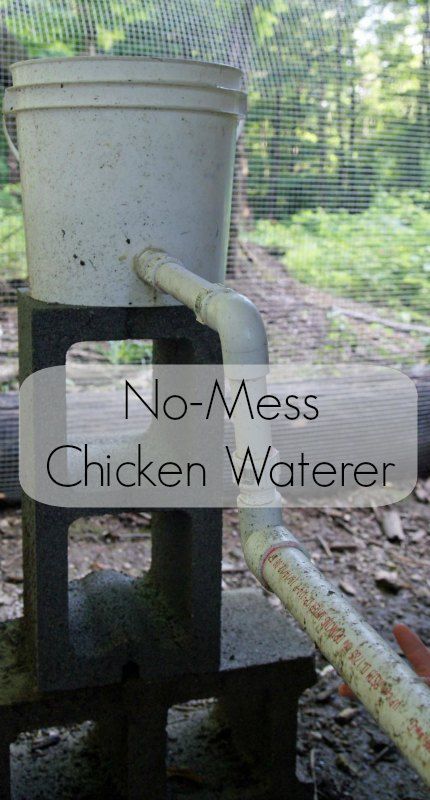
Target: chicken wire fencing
x,y
331,206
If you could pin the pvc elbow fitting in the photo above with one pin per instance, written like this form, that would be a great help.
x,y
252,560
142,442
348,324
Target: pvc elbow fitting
x,y
240,327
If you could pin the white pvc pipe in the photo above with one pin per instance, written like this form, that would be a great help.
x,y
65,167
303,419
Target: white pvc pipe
x,y
396,697
233,316
398,700
244,348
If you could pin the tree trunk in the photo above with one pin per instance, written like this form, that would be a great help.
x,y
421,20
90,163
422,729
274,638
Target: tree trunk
x,y
352,171
274,159
322,142
424,99
90,28
240,45
340,78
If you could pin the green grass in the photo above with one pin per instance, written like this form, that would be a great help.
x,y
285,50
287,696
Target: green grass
x,y
380,256
12,242
128,351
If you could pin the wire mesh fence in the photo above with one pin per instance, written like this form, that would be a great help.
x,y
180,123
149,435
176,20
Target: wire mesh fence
x,y
331,201
338,124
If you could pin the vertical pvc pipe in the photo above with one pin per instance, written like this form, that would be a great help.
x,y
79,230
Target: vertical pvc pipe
x,y
387,686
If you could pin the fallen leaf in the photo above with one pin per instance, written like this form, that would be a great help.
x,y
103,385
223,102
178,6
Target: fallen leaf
x,y
325,546
97,566
422,491
346,715
347,587
389,581
344,764
418,536
45,741
15,578
391,525
343,546
325,695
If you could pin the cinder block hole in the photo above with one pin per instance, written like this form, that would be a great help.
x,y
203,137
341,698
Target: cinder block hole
x,y
96,394
11,578
57,763
201,758
121,542
122,351
109,402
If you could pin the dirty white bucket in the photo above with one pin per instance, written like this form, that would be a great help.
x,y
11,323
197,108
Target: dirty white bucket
x,y
117,155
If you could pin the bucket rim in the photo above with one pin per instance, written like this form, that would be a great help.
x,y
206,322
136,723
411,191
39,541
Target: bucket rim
x,y
133,85
141,59
138,95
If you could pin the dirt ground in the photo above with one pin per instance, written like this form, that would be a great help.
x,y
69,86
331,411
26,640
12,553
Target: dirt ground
x,y
339,747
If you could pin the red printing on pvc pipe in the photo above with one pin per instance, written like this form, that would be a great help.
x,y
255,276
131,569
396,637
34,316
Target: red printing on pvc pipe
x,y
272,550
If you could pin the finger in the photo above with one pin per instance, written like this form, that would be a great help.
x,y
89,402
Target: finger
x,y
414,649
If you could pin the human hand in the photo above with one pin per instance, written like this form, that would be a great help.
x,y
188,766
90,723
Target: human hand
x,y
415,651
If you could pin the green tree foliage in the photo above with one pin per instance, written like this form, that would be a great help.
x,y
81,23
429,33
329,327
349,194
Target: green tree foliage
x,y
343,109
339,118
339,92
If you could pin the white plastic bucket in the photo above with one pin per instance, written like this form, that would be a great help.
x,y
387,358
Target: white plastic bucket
x,y
117,155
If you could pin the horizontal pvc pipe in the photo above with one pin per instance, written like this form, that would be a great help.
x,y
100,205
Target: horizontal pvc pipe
x,y
395,696
398,700
233,316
